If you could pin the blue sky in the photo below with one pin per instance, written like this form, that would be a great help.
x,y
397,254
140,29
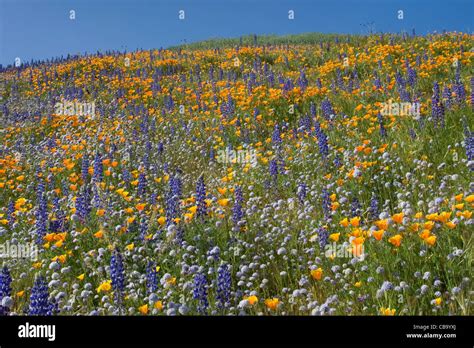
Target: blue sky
x,y
40,29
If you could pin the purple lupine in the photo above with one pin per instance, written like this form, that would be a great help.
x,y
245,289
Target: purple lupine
x,y
237,210
98,169
323,237
11,213
59,223
83,203
200,292
153,198
302,80
323,144
319,83
327,109
161,148
201,198
39,299
172,202
401,87
411,76
224,283
447,97
126,176
305,124
458,87
377,82
176,186
301,192
96,200
437,109
142,183
5,289
326,203
117,274
383,131
85,168
143,229
355,207
41,213
276,136
151,278
469,141
472,92
374,208
273,168
312,109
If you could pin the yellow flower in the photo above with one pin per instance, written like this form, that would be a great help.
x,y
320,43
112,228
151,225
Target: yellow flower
x,y
81,277
469,199
37,265
444,216
334,237
382,224
431,240
425,234
105,286
158,305
387,311
344,222
355,221
161,220
20,293
143,309
438,301
188,216
398,218
429,225
358,284
99,234
272,303
140,206
450,225
396,240
130,246
317,273
252,299
378,234
467,214
224,202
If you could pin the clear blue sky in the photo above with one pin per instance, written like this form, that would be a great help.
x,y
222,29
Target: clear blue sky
x,y
39,29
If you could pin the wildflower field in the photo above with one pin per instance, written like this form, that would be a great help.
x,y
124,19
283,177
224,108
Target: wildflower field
x,y
304,175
